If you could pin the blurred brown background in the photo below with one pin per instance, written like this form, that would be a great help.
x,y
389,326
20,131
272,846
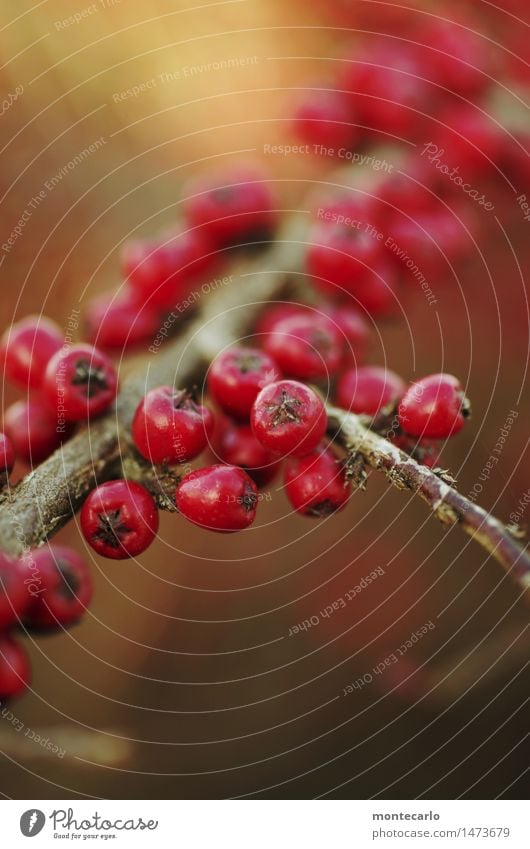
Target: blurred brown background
x,y
182,682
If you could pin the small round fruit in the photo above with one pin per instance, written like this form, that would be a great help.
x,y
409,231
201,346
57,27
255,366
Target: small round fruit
x,y
15,671
237,375
14,597
288,418
119,519
7,455
271,315
316,485
219,498
118,321
354,329
434,407
369,389
237,446
80,382
325,118
307,347
26,347
339,258
33,430
62,587
170,427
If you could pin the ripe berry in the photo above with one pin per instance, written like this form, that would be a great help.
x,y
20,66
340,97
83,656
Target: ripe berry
x,y
434,407
33,430
315,485
80,382
15,672
237,375
270,316
308,347
7,457
62,586
454,57
234,208
119,519
339,258
161,273
118,321
288,418
354,329
325,118
416,241
219,498
369,389
170,427
237,446
378,294
14,597
26,347
468,142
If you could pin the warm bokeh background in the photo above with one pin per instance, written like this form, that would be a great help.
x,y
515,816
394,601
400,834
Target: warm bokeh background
x,y
181,681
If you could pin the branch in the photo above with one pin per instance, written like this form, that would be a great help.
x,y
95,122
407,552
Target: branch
x,y
448,505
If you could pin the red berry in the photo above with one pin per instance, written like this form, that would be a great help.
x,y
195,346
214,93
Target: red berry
x,y
410,192
80,382
15,672
325,118
378,295
170,427
454,57
161,273
308,346
270,316
33,430
233,208
119,519
120,320
237,446
14,597
60,586
315,485
413,243
7,455
468,143
369,389
237,375
434,407
354,329
26,347
288,418
219,498
346,209
339,258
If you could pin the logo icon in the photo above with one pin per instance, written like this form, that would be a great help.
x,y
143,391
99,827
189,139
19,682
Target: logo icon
x,y
32,822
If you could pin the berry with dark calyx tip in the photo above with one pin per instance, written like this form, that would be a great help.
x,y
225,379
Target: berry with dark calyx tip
x,y
7,457
369,389
219,498
270,316
14,597
237,446
26,347
316,485
307,347
120,320
162,272
33,430
354,329
288,418
119,519
15,671
339,258
60,586
80,382
170,427
233,208
237,375
325,118
434,407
